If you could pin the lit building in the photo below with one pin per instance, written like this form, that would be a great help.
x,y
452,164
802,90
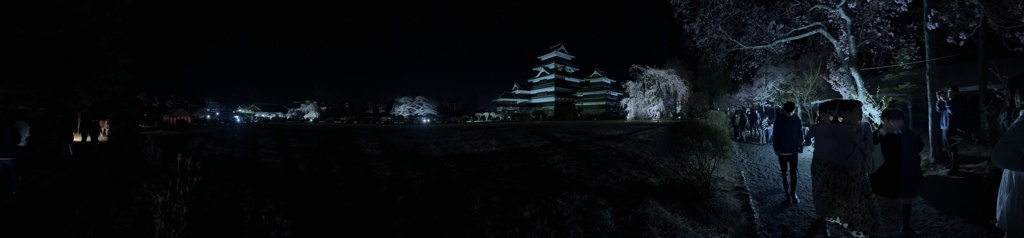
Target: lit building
x,y
598,95
556,90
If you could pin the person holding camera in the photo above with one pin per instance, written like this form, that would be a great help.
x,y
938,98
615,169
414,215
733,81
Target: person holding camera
x,y
953,111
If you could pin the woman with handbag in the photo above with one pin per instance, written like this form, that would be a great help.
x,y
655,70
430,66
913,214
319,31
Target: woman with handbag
x,y
900,175
842,191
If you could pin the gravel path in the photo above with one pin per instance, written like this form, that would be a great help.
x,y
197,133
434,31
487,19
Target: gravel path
x,y
776,218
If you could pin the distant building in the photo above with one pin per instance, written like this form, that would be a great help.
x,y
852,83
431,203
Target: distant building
x,y
556,89
598,95
173,117
263,111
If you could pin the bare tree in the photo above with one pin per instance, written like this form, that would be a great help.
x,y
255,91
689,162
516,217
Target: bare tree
x,y
712,82
212,105
806,86
858,33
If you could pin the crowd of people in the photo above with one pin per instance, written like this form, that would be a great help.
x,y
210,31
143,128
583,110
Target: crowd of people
x,y
844,183
753,124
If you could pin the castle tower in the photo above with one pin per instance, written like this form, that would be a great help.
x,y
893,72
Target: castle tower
x,y
553,88
556,90
598,95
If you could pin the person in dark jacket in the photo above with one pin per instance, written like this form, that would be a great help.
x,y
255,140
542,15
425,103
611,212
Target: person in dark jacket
x,y
900,175
953,110
788,143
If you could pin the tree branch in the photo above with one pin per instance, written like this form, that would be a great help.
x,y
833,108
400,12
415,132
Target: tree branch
x,y
908,63
776,42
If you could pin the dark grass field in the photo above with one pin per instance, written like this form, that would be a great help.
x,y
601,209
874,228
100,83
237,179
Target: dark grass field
x,y
550,179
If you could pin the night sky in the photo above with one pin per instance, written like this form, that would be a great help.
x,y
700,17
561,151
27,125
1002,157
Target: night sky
x,y
280,51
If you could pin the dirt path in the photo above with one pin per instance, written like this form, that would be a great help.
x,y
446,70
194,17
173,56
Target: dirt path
x,y
941,211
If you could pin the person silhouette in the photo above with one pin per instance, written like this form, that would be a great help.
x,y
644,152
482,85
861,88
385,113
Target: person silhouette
x,y
788,143
1007,155
10,139
953,113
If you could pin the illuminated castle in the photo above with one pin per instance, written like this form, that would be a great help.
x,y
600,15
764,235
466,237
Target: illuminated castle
x,y
557,90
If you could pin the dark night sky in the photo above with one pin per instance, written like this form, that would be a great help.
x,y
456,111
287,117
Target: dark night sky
x,y
279,51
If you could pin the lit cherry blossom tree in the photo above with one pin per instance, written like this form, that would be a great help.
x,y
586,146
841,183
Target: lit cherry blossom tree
x,y
653,93
311,110
752,34
414,106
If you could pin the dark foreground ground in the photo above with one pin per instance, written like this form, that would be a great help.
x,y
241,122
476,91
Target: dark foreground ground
x,y
551,179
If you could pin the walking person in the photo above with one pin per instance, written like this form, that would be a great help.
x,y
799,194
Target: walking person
x,y
841,189
753,122
953,110
89,130
736,127
94,131
788,143
743,124
10,139
900,176
1007,155
83,126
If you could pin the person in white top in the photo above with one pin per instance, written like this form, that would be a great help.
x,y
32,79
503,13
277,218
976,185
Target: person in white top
x,y
1008,155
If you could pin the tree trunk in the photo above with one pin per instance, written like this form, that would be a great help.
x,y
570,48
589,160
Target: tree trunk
x,y
928,66
983,82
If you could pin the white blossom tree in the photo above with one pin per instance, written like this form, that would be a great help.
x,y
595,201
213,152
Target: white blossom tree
x,y
751,34
414,106
491,116
653,93
310,109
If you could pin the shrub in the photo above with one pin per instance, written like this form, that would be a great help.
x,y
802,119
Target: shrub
x,y
714,117
701,144
172,201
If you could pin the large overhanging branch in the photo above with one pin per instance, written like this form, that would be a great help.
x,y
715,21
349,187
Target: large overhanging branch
x,y
828,8
820,31
808,26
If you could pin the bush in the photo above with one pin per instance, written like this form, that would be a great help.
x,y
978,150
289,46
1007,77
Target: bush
x,y
714,117
702,144
172,201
